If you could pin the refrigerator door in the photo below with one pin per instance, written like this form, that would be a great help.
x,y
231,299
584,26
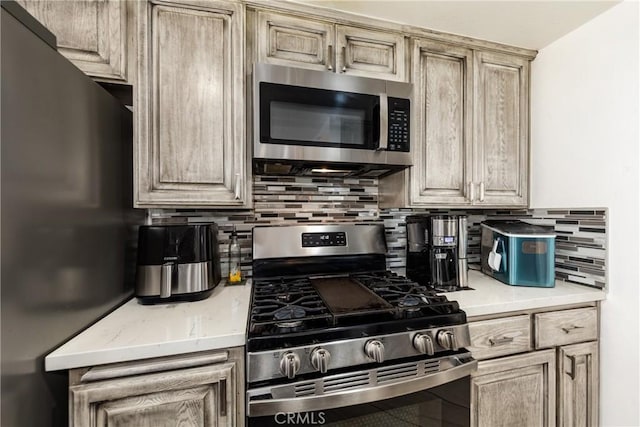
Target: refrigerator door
x,y
65,178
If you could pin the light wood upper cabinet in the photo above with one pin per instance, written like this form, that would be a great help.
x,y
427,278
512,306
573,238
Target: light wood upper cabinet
x,y
578,385
190,148
470,130
285,39
90,33
442,78
370,53
515,391
502,129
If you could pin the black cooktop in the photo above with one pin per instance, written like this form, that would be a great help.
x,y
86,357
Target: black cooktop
x,y
293,311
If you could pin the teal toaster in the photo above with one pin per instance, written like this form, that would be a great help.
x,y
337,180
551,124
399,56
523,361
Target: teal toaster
x,y
518,253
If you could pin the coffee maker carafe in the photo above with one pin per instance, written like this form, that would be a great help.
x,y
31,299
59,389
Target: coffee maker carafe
x,y
436,251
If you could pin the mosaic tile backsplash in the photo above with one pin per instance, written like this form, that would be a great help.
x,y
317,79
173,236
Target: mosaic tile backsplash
x,y
580,238
580,243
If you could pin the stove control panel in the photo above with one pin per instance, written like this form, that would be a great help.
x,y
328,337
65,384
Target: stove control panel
x,y
327,356
314,240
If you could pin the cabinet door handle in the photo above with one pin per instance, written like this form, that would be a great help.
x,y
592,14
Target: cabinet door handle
x,y
472,193
571,328
500,341
238,186
482,191
223,397
344,59
572,374
330,58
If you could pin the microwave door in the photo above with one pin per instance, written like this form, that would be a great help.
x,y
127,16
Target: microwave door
x,y
302,116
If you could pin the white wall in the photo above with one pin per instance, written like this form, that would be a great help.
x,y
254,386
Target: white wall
x,y
584,139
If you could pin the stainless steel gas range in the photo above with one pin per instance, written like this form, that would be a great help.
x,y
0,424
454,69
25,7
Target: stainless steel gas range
x,y
336,339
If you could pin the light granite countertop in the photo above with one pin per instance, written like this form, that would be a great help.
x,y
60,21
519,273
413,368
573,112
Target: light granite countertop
x,y
490,296
135,331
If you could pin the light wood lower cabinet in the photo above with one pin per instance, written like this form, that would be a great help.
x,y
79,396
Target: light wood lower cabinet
x,y
578,385
202,390
515,391
517,385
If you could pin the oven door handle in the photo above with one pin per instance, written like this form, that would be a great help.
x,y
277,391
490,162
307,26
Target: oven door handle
x,y
266,407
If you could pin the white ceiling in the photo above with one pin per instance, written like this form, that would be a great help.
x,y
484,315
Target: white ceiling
x,y
529,24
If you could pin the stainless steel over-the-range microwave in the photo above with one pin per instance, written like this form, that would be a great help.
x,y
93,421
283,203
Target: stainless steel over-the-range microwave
x,y
310,122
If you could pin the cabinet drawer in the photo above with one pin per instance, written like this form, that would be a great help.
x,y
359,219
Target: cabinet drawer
x,y
566,327
500,337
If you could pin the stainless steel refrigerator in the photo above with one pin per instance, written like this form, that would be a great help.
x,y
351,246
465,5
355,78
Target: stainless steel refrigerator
x,y
66,182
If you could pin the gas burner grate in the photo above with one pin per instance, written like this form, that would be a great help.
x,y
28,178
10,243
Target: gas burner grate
x,y
285,305
412,299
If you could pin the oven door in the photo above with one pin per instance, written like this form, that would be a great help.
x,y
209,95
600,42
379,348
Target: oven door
x,y
394,395
444,405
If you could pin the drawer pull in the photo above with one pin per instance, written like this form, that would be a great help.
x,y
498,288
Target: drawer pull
x,y
571,328
500,341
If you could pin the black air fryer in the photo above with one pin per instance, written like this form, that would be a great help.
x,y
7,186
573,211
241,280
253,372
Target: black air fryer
x,y
177,262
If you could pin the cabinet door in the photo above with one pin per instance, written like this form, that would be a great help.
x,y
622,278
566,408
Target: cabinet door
x,y
514,391
502,129
442,78
578,385
191,148
192,397
297,42
90,33
370,53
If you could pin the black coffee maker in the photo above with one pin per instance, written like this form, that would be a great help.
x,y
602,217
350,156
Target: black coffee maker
x,y
436,251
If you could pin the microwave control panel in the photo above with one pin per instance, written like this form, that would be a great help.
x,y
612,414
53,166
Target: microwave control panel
x,y
399,135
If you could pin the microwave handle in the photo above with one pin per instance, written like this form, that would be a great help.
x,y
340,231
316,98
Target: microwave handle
x,y
384,123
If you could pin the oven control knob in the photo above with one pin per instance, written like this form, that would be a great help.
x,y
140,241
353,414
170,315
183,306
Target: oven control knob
x,y
289,364
320,359
424,344
374,349
447,340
